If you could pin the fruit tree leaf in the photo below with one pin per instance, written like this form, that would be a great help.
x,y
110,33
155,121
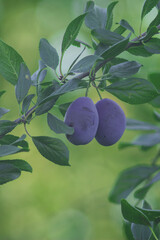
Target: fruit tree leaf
x,y
152,215
133,124
85,64
6,126
8,172
3,111
153,46
147,7
126,25
63,108
26,102
155,22
18,163
109,20
8,150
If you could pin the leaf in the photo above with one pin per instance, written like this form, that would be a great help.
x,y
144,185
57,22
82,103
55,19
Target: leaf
x,y
109,20
153,46
58,126
129,179
155,22
1,93
125,69
141,192
155,102
133,90
3,111
126,25
106,36
48,54
120,30
18,163
6,126
127,230
151,32
8,172
95,16
140,232
133,214
147,140
40,74
10,62
78,43
26,102
152,215
157,115
8,150
23,83
53,149
63,108
85,64
139,51
154,78
133,124
147,7
72,32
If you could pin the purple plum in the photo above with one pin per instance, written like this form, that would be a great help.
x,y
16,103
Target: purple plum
x,y
112,122
82,115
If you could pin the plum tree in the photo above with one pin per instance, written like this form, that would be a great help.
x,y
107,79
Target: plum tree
x,y
82,115
112,122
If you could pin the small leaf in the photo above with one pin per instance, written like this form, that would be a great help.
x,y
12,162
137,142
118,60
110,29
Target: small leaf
x,y
8,150
10,62
53,149
26,102
125,69
58,126
40,74
133,124
72,32
8,172
63,108
23,84
133,214
133,90
18,163
48,54
147,7
126,25
153,46
3,111
85,64
6,126
110,14
96,16
129,179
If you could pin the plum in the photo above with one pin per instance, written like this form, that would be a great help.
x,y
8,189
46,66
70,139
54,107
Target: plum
x,y
82,115
112,122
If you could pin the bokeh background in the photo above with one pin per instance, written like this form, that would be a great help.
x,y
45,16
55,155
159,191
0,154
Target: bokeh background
x,y
66,203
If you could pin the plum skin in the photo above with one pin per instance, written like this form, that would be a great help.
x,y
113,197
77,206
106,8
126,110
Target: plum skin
x,y
112,122
82,115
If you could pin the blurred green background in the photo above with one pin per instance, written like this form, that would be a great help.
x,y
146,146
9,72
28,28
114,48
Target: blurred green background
x,y
66,203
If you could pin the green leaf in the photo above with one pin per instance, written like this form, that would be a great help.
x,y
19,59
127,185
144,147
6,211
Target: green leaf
x,y
154,78
127,230
95,16
1,93
152,215
3,111
72,32
58,126
155,22
53,149
8,150
18,163
157,115
133,90
140,232
125,69
133,124
147,140
78,43
23,83
153,46
85,64
133,214
63,108
6,126
106,36
139,51
10,62
147,7
151,32
48,54
155,102
141,192
26,102
40,74
120,30
126,25
14,140
129,179
110,14
8,172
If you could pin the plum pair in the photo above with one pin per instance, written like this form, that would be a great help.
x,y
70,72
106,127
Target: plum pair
x,y
104,121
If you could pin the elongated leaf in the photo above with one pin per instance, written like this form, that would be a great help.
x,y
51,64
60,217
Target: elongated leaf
x,y
48,54
133,124
125,69
127,230
109,20
126,25
23,84
139,51
1,93
96,16
8,150
3,111
53,149
72,32
10,62
63,108
147,7
14,140
19,163
133,90
153,46
40,74
152,215
6,126
154,78
140,232
155,22
78,43
8,172
120,30
58,126
128,180
106,36
26,103
157,115
133,214
85,64
151,32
